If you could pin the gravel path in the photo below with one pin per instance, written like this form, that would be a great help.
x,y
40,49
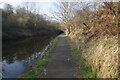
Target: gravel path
x,y
61,63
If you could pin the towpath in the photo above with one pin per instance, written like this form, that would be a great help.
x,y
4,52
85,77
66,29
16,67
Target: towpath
x,y
61,63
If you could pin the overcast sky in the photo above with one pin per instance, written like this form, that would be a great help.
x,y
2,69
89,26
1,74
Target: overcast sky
x,y
44,6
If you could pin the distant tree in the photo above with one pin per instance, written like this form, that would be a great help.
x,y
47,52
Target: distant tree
x,y
66,11
8,8
21,11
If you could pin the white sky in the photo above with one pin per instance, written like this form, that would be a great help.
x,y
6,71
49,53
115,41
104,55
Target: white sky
x,y
44,6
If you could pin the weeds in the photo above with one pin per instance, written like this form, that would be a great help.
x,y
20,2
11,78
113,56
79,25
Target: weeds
x,y
86,71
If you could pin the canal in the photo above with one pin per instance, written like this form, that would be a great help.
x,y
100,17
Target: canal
x,y
16,56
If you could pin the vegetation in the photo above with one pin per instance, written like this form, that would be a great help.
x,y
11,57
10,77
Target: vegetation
x,y
22,22
93,27
38,68
85,70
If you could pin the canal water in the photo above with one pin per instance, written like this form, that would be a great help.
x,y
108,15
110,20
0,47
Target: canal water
x,y
16,56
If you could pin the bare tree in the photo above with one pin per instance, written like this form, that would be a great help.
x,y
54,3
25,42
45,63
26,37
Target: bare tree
x,y
31,7
64,12
8,8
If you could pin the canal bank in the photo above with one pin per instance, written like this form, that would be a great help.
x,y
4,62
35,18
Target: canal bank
x,y
17,56
35,69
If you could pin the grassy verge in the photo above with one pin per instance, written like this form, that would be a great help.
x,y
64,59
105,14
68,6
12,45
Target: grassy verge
x,y
85,70
37,69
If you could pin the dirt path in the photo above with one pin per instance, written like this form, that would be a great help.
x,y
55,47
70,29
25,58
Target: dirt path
x,y
61,63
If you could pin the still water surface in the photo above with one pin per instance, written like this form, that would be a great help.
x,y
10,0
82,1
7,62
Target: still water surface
x,y
17,55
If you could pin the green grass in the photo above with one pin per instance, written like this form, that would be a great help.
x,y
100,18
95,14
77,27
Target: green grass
x,y
85,70
37,69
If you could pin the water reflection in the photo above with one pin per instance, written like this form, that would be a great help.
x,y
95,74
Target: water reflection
x,y
17,55
13,69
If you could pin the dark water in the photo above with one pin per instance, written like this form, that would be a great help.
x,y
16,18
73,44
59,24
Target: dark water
x,y
17,55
